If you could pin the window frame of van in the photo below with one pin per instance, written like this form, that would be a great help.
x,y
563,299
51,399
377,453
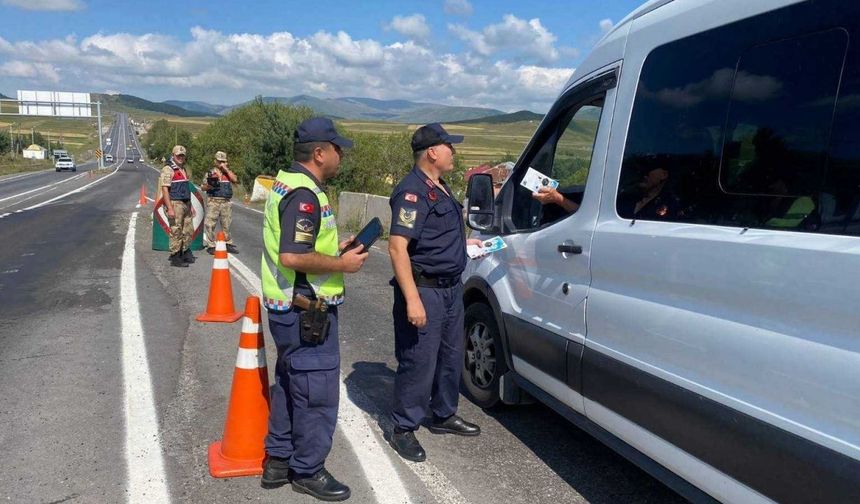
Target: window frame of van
x,y
574,98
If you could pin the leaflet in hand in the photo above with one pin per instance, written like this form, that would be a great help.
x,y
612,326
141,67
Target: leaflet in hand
x,y
534,180
490,246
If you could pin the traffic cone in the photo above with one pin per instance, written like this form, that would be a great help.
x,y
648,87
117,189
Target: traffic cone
x,y
142,201
220,306
241,451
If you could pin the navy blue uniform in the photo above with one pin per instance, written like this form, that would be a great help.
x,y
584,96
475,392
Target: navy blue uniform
x,y
305,396
429,358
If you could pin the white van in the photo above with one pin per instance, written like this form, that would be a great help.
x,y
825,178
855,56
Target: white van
x,y
699,309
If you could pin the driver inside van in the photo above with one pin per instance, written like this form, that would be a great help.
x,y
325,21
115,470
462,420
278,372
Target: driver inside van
x,y
548,196
651,201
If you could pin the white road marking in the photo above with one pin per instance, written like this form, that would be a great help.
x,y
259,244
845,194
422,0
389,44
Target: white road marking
x,y
146,478
43,188
364,438
22,175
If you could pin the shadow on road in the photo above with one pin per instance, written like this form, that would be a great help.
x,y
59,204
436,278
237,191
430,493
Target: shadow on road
x,y
589,467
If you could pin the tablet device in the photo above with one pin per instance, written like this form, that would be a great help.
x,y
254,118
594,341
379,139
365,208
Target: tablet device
x,y
368,235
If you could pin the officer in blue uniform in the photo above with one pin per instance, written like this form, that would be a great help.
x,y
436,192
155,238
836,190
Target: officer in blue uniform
x,y
302,259
428,253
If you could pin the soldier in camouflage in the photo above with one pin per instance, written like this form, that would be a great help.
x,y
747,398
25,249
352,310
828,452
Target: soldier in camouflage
x,y
218,185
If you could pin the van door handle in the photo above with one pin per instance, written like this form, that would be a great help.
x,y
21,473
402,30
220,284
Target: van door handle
x,y
569,248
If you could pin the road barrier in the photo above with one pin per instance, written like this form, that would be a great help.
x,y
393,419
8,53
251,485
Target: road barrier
x,y
220,306
241,450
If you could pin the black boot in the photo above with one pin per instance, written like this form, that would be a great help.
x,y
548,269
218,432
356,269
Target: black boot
x,y
232,248
176,260
188,257
276,473
210,250
453,425
405,444
323,486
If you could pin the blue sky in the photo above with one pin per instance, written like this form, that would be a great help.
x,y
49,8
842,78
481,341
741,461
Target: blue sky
x,y
503,54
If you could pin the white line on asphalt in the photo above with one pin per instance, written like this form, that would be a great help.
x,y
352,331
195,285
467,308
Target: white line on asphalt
x,y
146,478
79,189
363,438
42,188
22,175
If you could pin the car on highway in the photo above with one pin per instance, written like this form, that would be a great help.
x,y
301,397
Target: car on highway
x,y
108,158
129,159
65,163
685,294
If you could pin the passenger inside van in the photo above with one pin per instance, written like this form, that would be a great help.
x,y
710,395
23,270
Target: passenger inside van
x,y
651,200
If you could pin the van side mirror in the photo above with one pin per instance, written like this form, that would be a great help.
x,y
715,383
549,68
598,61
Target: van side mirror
x,y
482,202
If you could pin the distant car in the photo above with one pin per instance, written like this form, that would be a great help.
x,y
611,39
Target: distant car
x,y
129,160
65,163
108,158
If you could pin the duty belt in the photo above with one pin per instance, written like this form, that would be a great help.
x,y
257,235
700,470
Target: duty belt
x,y
437,282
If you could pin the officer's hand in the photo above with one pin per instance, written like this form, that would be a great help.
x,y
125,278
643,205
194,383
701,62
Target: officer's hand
x,y
416,314
170,212
353,260
546,195
344,244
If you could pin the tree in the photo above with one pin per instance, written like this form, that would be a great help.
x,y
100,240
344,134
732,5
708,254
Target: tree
x,y
162,136
5,144
375,163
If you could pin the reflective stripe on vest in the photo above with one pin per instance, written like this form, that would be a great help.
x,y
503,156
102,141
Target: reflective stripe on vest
x,y
179,189
277,280
224,189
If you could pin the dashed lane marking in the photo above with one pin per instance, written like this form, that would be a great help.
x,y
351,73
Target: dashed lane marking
x,y
42,188
146,478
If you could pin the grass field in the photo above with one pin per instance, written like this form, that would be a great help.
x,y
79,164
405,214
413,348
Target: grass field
x,y
484,142
79,136
9,165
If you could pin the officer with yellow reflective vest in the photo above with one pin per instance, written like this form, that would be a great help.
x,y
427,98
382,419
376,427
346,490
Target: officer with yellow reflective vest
x,y
302,276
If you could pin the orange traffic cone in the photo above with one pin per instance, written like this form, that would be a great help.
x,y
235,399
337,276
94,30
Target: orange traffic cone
x,y
220,306
241,451
142,201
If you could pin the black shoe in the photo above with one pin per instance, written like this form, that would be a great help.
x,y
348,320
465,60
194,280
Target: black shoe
x,y
323,486
232,248
187,256
210,250
176,260
276,473
405,444
453,425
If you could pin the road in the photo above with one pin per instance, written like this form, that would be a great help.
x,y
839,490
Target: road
x,y
94,320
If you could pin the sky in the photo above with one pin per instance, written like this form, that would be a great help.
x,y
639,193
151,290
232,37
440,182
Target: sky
x,y
502,54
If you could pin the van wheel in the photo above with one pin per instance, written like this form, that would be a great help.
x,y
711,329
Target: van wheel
x,y
484,360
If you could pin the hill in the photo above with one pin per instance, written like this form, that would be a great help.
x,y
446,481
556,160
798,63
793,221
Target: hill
x,y
402,111
4,97
197,106
522,115
129,103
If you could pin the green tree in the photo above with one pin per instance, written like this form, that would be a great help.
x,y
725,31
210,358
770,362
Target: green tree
x,y
374,164
162,136
5,144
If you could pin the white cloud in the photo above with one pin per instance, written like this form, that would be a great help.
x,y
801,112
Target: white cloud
x,y
414,27
46,5
458,7
606,25
230,68
527,39
41,71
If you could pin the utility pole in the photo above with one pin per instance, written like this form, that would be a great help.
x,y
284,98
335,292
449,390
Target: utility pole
x,y
99,111
12,140
32,135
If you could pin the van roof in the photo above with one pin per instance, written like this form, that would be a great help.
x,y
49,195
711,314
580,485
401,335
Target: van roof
x,y
640,11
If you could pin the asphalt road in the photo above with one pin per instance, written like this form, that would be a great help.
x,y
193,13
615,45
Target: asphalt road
x,y
68,372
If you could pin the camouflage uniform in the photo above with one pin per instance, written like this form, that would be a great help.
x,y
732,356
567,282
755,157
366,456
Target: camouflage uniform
x,y
218,209
182,226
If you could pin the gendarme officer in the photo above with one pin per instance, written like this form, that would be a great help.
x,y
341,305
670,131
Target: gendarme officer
x,y
302,275
428,253
176,192
218,184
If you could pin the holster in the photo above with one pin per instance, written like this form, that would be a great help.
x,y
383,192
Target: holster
x,y
416,272
314,323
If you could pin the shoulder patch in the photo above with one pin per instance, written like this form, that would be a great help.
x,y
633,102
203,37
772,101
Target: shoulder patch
x,y
411,197
406,217
306,207
304,232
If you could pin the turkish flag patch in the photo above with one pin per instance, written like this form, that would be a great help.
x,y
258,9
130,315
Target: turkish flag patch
x,y
306,207
411,197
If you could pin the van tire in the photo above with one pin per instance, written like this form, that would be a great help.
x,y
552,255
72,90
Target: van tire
x,y
480,325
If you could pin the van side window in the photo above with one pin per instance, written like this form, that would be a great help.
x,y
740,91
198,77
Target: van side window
x,y
564,155
741,136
